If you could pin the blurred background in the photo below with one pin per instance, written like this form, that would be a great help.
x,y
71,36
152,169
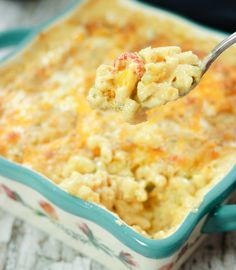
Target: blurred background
x,y
220,14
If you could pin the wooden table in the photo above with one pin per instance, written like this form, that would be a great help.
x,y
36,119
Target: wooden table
x,y
23,247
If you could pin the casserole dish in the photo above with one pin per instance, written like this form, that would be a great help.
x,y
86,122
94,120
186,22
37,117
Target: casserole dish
x,y
95,231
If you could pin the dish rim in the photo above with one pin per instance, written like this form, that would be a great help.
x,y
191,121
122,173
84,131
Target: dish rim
x,y
150,248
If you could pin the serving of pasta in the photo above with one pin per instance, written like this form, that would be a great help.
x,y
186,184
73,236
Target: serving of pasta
x,y
142,80
153,174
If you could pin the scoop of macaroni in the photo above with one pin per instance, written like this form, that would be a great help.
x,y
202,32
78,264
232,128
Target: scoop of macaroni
x,y
143,80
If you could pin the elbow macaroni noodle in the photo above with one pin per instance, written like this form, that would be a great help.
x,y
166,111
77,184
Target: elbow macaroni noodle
x,y
144,80
150,175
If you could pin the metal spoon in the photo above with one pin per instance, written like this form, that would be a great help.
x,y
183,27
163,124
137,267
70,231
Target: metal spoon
x,y
211,57
205,64
221,47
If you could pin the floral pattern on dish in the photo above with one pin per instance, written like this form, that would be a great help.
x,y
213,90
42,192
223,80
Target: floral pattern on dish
x,y
87,236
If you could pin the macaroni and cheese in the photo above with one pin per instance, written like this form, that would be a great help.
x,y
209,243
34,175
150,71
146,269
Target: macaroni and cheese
x,y
150,175
144,80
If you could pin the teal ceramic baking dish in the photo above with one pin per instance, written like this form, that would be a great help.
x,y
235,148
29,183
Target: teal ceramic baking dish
x,y
90,228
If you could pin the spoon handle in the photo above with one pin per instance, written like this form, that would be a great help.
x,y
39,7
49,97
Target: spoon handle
x,y
222,46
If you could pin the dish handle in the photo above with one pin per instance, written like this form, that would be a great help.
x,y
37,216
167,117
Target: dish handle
x,y
13,36
222,219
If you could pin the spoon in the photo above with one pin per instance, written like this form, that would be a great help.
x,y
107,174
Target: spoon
x,y
217,51
208,60
133,99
